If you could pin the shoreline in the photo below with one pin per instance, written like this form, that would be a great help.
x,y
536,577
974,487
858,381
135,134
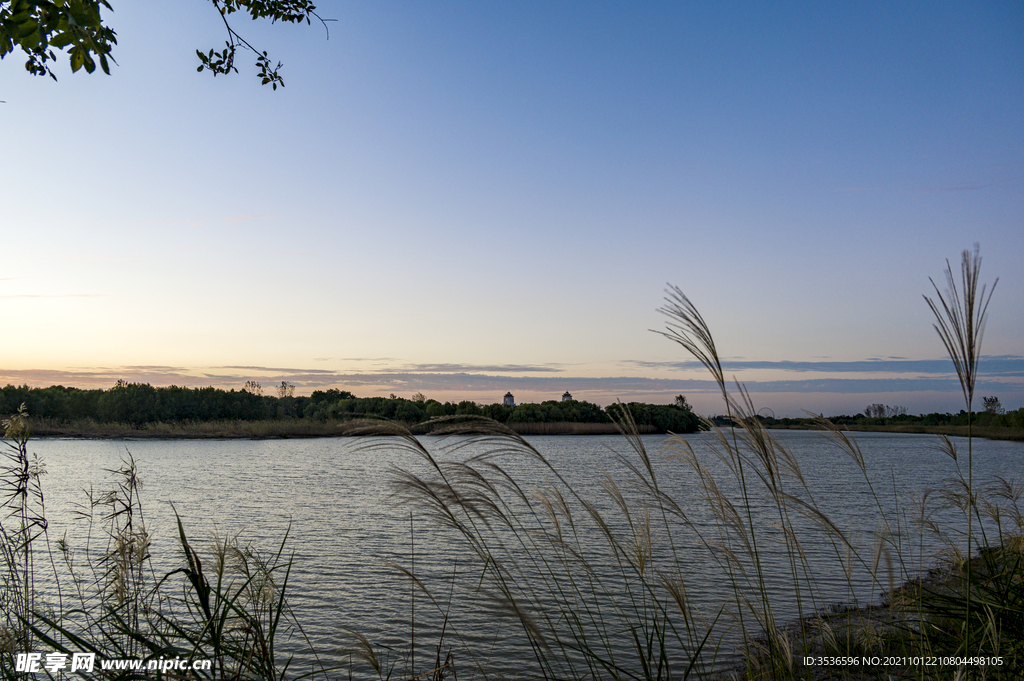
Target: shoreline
x,y
877,631
278,429
987,433
302,428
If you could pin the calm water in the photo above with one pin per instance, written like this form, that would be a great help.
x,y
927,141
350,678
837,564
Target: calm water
x,y
333,499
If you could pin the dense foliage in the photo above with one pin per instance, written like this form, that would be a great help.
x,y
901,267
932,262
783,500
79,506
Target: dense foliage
x,y
40,28
139,404
984,419
664,417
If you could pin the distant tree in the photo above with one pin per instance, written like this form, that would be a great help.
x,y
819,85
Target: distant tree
x,y
682,403
580,411
992,405
468,407
133,403
332,395
883,411
253,388
286,389
664,417
527,413
419,397
498,412
410,412
875,411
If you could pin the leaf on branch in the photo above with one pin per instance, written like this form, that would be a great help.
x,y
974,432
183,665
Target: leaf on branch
x,y
291,11
75,26
37,27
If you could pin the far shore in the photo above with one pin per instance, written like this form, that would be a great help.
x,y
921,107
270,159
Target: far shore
x,y
952,431
303,428
271,429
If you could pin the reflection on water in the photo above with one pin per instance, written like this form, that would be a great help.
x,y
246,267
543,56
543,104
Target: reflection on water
x,y
332,497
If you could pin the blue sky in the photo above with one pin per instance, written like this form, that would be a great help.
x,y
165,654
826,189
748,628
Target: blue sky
x,y
458,197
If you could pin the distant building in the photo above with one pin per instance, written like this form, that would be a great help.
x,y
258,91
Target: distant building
x,y
509,400
567,397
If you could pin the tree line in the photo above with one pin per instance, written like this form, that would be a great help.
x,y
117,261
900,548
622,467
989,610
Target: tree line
x,y
991,415
139,404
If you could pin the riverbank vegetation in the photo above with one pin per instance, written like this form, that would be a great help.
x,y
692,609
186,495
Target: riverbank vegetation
x,y
285,428
105,599
994,422
142,410
989,433
596,581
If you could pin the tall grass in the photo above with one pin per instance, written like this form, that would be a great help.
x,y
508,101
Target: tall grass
x,y
597,584
593,574
22,525
960,323
225,605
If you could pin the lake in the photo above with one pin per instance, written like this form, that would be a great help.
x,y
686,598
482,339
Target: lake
x,y
333,498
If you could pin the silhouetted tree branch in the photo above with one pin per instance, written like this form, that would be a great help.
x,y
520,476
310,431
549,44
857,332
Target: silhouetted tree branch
x,y
41,29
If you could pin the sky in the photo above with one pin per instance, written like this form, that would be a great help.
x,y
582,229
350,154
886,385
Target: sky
x,y
463,199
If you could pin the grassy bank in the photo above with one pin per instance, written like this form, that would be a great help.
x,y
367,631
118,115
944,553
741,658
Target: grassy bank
x,y
278,428
565,428
285,428
891,630
949,431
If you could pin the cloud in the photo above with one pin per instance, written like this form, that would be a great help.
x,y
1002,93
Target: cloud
x,y
367,359
96,377
627,385
487,382
446,367
279,370
474,368
610,387
993,365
